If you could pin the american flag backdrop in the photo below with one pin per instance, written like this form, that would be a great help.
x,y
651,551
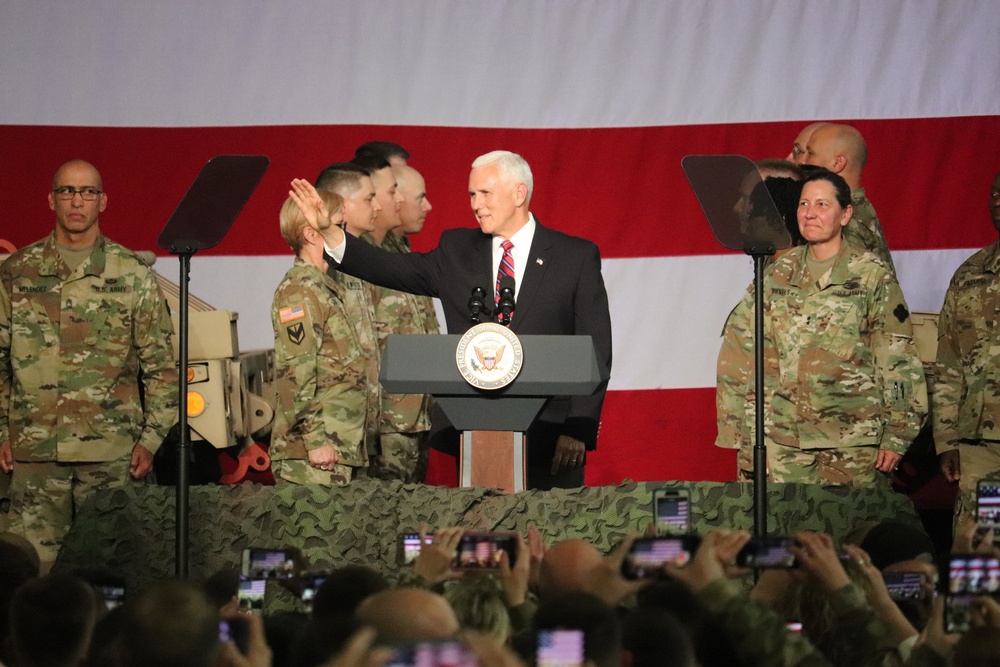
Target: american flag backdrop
x,y
602,97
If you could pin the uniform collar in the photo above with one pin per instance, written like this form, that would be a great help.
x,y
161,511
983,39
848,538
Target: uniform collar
x,y
991,258
52,264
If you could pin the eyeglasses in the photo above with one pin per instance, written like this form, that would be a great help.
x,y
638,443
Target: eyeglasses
x,y
68,192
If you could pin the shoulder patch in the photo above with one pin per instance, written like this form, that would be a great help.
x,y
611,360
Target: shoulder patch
x,y
296,333
901,313
292,313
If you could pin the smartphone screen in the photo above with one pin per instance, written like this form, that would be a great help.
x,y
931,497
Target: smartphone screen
x,y
309,587
905,585
671,512
235,630
988,506
766,552
447,653
113,595
409,546
251,595
268,564
482,551
969,576
559,648
649,554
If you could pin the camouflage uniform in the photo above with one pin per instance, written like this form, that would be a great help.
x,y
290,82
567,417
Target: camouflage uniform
x,y
966,394
864,230
326,378
405,421
760,637
734,395
842,375
72,346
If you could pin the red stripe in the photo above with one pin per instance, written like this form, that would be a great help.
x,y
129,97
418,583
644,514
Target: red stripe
x,y
621,187
646,436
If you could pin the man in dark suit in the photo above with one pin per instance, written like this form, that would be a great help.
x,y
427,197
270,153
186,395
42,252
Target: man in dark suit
x,y
559,290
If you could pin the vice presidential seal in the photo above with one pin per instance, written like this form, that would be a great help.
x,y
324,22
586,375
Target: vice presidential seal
x,y
489,356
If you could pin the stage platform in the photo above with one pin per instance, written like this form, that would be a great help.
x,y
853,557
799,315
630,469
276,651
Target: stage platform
x,y
131,530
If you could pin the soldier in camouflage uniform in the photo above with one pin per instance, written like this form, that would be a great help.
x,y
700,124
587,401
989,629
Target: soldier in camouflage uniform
x,y
842,150
88,384
966,394
844,387
412,215
404,421
354,186
325,381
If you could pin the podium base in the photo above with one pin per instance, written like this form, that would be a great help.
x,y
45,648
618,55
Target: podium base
x,y
493,459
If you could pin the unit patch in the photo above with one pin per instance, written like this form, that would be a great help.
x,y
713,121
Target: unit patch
x,y
296,333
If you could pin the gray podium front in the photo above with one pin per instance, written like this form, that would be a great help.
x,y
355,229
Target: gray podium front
x,y
492,422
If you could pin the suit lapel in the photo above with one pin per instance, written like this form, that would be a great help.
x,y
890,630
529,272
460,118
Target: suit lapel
x,y
538,263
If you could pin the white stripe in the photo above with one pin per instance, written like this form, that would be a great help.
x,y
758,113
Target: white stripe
x,y
667,313
497,63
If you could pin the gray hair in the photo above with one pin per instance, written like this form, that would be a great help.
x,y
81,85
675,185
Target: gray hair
x,y
513,168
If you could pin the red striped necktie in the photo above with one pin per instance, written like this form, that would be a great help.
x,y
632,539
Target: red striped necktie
x,y
506,267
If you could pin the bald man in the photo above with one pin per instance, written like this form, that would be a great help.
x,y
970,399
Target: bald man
x,y
801,141
842,150
408,615
87,376
565,565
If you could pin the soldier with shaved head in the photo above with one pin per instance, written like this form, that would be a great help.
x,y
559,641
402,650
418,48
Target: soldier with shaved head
x,y
87,375
842,150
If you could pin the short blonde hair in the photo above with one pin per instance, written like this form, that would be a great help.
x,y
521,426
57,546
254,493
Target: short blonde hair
x,y
292,222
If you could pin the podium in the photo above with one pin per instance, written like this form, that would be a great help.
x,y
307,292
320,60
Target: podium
x,y
492,423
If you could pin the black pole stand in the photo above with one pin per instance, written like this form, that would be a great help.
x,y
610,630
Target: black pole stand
x,y
184,446
200,221
759,449
723,185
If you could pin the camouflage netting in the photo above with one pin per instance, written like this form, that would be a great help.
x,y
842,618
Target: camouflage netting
x,y
131,530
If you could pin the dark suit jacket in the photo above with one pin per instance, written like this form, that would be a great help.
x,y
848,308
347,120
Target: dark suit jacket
x,y
562,293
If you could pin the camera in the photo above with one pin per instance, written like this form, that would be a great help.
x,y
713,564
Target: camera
x,y
235,630
988,507
559,648
113,595
767,552
905,585
446,653
482,551
648,554
409,546
268,564
310,585
969,576
251,595
477,550
671,512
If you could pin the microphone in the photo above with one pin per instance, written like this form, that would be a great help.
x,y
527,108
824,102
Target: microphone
x,y
476,304
505,305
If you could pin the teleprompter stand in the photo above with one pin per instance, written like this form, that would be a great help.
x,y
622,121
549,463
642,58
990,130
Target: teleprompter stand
x,y
492,422
743,217
200,221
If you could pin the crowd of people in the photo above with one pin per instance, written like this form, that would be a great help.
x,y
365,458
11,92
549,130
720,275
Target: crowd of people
x,y
834,607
